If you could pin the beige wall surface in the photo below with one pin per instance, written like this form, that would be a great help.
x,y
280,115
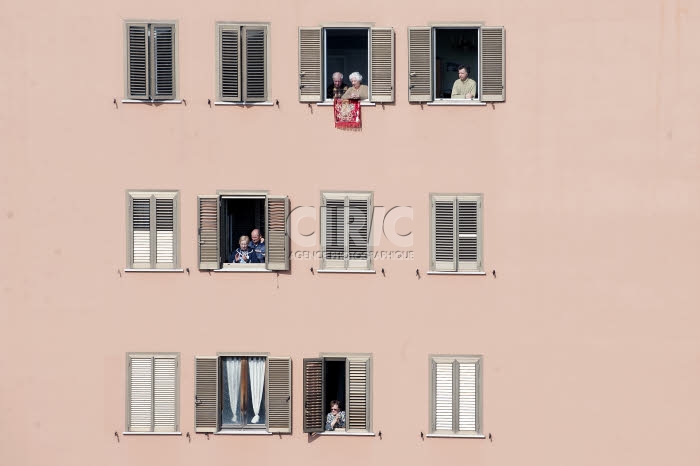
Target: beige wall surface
x,y
589,331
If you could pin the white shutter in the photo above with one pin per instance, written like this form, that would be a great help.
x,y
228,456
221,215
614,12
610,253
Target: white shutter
x,y
165,232
358,394
381,76
333,231
443,396
467,396
310,65
493,65
165,394
141,231
468,233
443,244
140,394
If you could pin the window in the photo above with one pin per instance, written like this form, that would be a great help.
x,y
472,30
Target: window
x,y
455,234
151,57
345,378
325,50
224,218
152,231
455,395
435,53
243,392
345,231
242,62
152,392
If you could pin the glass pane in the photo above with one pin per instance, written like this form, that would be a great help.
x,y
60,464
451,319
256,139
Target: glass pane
x,y
241,378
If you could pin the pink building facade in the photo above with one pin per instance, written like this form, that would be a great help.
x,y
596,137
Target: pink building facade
x,y
504,279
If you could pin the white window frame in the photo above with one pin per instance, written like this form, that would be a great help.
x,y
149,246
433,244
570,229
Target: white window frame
x,y
433,57
248,429
324,58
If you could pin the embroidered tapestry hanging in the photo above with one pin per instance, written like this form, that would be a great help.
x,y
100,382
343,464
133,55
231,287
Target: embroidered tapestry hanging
x,y
347,113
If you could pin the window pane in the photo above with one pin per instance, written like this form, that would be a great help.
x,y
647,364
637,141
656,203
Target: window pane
x,y
243,392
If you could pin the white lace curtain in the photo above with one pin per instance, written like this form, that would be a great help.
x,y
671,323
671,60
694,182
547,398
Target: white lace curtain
x,y
257,383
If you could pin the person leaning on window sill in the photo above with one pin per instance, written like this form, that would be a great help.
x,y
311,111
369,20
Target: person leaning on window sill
x,y
336,418
357,91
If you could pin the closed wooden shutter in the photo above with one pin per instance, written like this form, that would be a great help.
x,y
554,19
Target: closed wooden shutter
x,y
165,394
277,249
279,395
381,82
310,65
468,233
420,64
468,395
165,232
254,63
442,396
137,69
444,247
141,238
493,64
229,75
314,400
358,218
208,230
140,417
163,62
333,231
205,394
358,394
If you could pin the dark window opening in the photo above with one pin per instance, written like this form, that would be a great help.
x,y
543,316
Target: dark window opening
x,y
335,384
455,47
240,217
347,51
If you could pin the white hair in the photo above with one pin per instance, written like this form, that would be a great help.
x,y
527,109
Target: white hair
x,y
338,73
355,76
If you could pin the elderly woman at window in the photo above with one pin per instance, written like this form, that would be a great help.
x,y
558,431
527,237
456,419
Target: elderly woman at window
x,y
357,90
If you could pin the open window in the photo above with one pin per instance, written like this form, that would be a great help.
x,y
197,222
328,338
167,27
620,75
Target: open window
x,y
435,55
342,378
226,217
326,50
243,392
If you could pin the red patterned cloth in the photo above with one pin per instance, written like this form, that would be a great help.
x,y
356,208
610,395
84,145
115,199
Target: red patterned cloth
x,y
347,113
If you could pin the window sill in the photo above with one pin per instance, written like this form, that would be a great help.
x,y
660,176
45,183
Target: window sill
x,y
154,270
151,433
246,104
456,436
457,102
241,269
364,103
456,273
346,434
345,271
243,432
132,101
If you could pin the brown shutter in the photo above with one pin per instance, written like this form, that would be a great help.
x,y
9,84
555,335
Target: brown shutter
x,y
314,400
229,73
420,65
279,395
493,65
205,394
254,66
208,214
310,65
137,61
163,62
358,394
277,249
381,82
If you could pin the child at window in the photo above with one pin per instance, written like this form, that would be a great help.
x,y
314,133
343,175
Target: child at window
x,y
242,255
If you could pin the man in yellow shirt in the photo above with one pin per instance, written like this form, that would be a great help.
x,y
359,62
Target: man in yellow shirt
x,y
464,87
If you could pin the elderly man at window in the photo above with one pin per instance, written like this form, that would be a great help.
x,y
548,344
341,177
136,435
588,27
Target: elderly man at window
x,y
338,88
464,87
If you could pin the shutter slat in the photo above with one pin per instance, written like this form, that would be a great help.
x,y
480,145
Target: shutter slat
x,y
255,73
310,65
205,394
382,65
279,414
419,64
314,420
164,61
277,235
493,64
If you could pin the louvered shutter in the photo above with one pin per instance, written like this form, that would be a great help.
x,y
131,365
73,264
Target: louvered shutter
x,y
277,249
469,370
468,233
314,400
205,394
442,402
493,65
333,231
137,68
254,63
165,394
420,65
358,218
310,65
140,394
358,394
166,250
208,230
140,239
444,247
279,395
381,82
163,61
229,73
